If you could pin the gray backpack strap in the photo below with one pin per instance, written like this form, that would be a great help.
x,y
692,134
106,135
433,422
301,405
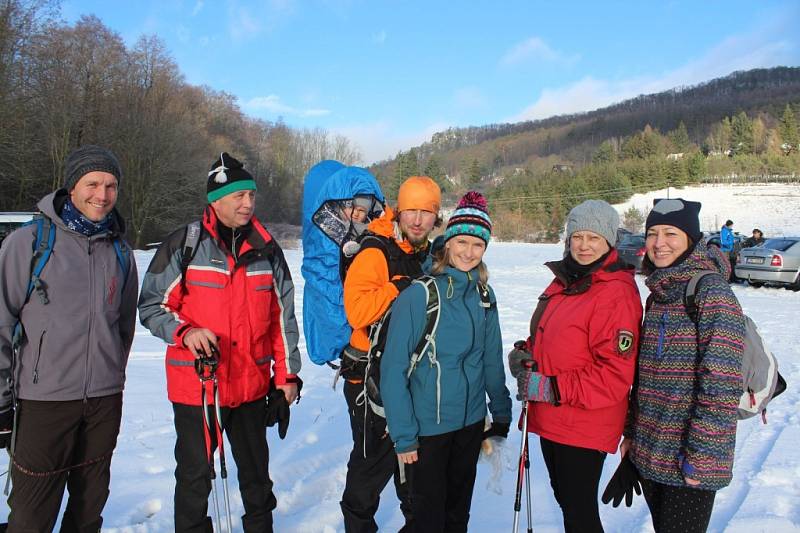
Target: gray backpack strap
x,y
190,242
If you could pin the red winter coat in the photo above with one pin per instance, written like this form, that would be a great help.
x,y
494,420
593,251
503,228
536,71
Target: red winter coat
x,y
248,303
587,338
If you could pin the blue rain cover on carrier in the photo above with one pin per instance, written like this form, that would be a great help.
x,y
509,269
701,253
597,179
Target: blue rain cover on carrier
x,y
328,193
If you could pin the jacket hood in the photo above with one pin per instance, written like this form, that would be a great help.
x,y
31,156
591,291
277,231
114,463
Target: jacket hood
x,y
613,268
668,284
50,206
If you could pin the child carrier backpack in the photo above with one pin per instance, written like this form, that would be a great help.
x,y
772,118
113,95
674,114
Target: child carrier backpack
x,y
42,249
761,381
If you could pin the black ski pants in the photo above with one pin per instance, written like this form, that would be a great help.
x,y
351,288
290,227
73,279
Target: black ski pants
x,y
678,509
63,444
575,476
245,427
367,477
442,480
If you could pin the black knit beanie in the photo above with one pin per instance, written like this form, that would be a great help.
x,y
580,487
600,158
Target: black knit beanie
x,y
683,214
227,175
89,158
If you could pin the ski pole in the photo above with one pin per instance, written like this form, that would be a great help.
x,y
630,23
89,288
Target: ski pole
x,y
523,466
222,467
528,470
205,367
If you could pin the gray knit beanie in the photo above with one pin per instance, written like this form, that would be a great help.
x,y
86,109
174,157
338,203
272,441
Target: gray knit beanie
x,y
596,216
89,158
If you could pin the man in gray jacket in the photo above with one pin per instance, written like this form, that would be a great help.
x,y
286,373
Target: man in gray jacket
x,y
61,382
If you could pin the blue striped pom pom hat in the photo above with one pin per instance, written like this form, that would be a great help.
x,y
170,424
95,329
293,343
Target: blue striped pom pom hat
x,y
471,217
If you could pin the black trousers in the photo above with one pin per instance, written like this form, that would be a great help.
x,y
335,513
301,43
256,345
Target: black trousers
x,y
678,509
442,480
367,477
246,430
575,475
63,444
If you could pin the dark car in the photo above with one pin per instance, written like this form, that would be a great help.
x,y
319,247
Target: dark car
x,y
631,250
776,262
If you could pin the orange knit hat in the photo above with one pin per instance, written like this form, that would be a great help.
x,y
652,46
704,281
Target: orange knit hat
x,y
419,192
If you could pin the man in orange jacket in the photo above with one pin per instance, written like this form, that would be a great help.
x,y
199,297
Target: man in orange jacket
x,y
386,263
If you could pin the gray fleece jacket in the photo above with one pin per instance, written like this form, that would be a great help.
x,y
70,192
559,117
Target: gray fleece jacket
x,y
77,345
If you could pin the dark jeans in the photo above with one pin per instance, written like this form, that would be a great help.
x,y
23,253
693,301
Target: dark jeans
x,y
63,444
678,509
442,480
575,475
367,477
246,430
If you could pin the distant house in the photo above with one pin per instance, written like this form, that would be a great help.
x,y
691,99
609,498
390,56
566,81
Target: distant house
x,y
675,157
562,168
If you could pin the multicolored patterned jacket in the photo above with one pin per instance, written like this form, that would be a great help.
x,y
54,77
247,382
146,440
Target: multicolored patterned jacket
x,y
683,412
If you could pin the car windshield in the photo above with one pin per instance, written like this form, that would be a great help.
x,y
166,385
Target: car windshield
x,y
779,244
632,241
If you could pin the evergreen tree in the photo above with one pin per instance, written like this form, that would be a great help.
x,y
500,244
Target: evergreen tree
x,y
679,138
434,171
633,220
696,168
407,166
474,172
790,136
742,141
605,153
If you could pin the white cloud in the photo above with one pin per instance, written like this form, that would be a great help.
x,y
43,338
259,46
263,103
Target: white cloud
x,y
242,24
198,7
380,37
734,53
273,104
380,140
536,50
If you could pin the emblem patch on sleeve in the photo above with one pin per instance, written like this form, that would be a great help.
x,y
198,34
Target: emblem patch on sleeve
x,y
624,342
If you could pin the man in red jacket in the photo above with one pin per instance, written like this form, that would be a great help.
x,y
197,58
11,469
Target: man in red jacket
x,y
235,298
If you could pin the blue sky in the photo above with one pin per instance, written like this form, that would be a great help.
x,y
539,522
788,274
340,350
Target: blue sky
x,y
389,74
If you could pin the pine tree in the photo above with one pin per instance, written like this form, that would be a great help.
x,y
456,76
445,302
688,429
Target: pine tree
x,y
679,138
407,165
434,171
474,172
790,136
742,141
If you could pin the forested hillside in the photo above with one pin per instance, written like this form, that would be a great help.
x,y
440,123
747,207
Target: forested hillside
x,y
66,85
741,126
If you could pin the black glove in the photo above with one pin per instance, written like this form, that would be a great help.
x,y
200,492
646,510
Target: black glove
x,y
6,425
498,429
624,481
278,411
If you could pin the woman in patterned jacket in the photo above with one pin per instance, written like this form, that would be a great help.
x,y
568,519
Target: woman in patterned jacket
x,y
681,428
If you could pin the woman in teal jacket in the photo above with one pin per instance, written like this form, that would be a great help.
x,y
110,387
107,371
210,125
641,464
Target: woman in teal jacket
x,y
435,409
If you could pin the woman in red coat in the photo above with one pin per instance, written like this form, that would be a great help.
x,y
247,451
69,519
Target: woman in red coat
x,y
583,340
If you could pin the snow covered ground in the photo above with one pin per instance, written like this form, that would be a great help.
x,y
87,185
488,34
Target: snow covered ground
x,y
773,208
309,467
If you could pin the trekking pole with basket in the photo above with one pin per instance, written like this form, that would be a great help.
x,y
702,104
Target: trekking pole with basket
x,y
206,368
524,460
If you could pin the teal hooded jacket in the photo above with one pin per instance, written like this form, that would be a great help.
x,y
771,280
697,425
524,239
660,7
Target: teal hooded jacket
x,y
450,394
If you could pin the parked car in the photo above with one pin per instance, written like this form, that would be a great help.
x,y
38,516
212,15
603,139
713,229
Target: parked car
x,y
776,262
10,221
631,249
712,239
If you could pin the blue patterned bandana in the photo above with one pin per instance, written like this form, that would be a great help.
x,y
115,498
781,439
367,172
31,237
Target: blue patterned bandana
x,y
76,221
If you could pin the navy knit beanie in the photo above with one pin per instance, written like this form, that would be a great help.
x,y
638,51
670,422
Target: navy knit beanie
x,y
683,214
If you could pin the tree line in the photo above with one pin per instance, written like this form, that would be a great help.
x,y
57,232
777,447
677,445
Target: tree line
x,y
62,86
